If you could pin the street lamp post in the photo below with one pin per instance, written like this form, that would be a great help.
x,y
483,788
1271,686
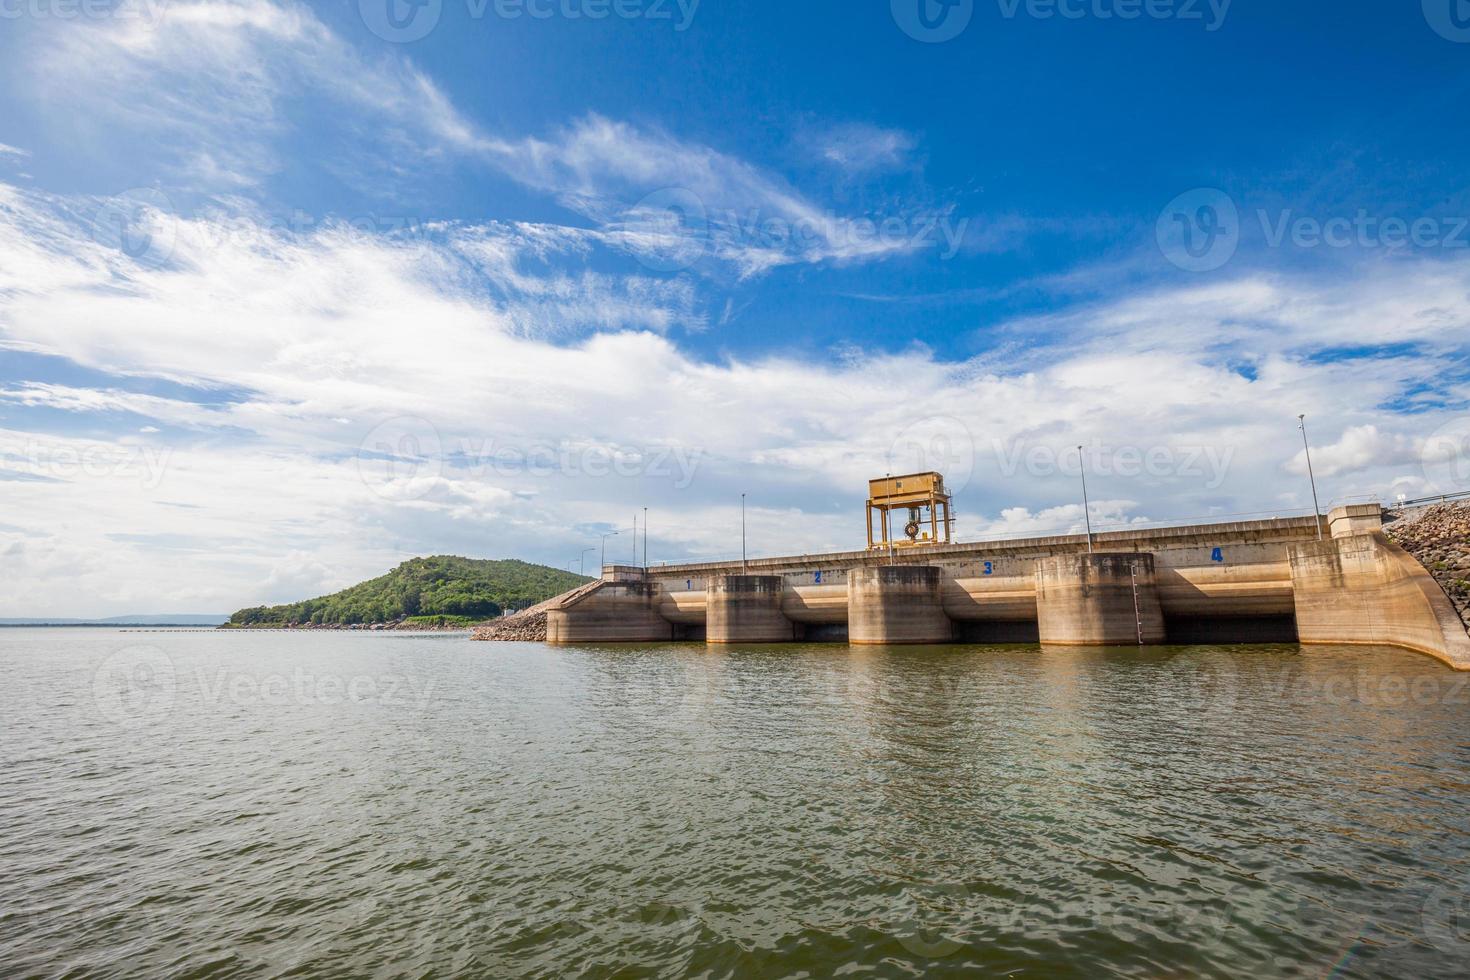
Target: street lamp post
x,y
1316,508
1086,507
645,537
888,518
604,546
582,561
742,534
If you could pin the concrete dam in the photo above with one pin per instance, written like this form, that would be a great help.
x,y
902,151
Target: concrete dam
x,y
1336,579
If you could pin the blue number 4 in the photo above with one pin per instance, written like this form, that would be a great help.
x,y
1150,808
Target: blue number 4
x,y
1217,555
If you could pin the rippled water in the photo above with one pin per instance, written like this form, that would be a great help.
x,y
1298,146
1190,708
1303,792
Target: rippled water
x,y
272,804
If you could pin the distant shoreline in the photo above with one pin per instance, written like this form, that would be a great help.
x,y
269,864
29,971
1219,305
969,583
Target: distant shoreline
x,y
107,626
205,628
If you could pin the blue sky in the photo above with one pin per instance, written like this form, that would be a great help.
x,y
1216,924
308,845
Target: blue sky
x,y
289,293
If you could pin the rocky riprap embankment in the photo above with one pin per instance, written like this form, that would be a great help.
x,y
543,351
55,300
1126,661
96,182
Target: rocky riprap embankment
x,y
527,627
1439,536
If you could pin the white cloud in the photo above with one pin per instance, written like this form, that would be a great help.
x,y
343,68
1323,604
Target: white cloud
x,y
537,439
1106,515
862,148
211,79
70,399
210,85
631,181
301,575
1361,447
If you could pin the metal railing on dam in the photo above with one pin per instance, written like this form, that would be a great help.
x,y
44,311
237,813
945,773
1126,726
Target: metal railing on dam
x,y
1336,579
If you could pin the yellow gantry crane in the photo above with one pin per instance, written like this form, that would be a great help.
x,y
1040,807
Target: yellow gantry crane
x,y
927,503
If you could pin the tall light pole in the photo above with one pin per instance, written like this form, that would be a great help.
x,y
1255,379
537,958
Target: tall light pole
x,y
604,546
888,517
1316,510
582,561
1086,507
742,534
635,537
645,537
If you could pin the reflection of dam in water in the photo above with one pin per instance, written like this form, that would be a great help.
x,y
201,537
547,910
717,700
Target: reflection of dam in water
x,y
1256,581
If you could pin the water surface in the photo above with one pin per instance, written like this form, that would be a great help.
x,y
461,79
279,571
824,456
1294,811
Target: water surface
x,y
282,804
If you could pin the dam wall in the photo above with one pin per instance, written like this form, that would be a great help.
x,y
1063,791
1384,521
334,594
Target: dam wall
x,y
1243,581
1362,588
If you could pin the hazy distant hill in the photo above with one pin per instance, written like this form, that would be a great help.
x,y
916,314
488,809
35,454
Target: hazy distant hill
x,y
458,589
146,619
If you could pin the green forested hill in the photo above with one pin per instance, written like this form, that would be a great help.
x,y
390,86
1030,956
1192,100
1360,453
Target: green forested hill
x,y
462,588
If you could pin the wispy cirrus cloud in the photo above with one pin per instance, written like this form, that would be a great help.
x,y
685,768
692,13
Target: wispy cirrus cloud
x,y
220,77
211,80
860,149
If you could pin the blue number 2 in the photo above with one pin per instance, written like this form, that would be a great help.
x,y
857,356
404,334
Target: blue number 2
x,y
819,578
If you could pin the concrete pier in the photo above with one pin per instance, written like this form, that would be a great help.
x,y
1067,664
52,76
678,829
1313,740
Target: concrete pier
x,y
1249,581
897,604
1098,600
624,612
746,609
